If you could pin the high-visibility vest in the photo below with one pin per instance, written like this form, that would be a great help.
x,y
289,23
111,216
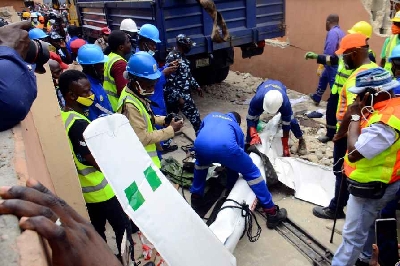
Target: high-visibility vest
x,y
127,97
393,41
109,83
345,97
385,167
340,79
95,187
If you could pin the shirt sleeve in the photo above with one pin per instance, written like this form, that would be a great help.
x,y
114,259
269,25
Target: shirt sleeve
x,y
75,135
385,44
375,139
332,60
159,120
331,42
286,113
139,126
117,71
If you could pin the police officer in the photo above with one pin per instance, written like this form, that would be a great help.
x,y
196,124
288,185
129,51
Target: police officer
x,y
91,58
142,75
271,97
101,202
180,84
371,162
221,140
114,68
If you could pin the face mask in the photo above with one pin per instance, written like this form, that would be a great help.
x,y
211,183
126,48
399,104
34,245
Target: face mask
x,y
142,91
150,52
349,64
370,108
86,101
35,20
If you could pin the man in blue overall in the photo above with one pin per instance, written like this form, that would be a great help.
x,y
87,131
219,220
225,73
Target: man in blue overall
x,y
91,58
271,97
221,140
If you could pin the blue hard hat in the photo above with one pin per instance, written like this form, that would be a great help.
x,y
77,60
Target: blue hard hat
x,y
395,53
36,34
151,32
378,78
90,54
143,65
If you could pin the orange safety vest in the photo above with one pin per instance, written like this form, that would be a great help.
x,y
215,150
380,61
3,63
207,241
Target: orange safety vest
x,y
384,167
345,97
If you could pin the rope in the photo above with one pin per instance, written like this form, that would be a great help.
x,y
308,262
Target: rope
x,y
218,21
249,216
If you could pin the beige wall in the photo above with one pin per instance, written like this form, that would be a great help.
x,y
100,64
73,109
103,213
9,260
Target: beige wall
x,y
305,21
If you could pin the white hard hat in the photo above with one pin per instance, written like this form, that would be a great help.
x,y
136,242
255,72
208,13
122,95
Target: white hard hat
x,y
34,15
128,25
272,101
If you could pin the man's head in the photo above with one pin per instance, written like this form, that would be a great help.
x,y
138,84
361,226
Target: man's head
x,y
184,43
75,88
73,31
55,69
377,82
395,60
331,21
142,73
354,49
237,117
105,32
92,59
75,45
362,27
119,42
273,100
149,36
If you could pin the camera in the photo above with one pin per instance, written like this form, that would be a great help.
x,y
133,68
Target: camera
x,y
170,116
37,54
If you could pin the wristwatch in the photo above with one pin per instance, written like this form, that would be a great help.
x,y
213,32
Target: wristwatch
x,y
355,118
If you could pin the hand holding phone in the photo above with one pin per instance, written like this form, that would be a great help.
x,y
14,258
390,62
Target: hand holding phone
x,y
386,239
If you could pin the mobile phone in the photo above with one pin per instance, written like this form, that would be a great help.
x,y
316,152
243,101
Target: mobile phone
x,y
386,239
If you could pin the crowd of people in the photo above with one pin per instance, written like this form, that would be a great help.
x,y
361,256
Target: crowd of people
x,y
119,74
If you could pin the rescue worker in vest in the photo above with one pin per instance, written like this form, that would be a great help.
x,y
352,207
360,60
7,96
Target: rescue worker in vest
x,y
371,163
91,58
26,16
179,87
271,97
390,43
362,27
102,42
129,27
114,68
221,140
335,34
41,24
354,48
34,18
142,75
149,36
101,202
395,61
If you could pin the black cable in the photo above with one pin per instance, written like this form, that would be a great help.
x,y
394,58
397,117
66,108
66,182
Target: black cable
x,y
249,216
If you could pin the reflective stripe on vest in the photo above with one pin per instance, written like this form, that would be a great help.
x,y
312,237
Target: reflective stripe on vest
x,y
341,77
109,82
385,167
389,48
130,98
95,187
346,98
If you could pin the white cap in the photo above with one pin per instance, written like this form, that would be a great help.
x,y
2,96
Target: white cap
x,y
128,25
272,101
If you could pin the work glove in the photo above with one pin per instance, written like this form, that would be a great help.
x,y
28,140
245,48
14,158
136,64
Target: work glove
x,y
255,138
285,146
320,69
310,55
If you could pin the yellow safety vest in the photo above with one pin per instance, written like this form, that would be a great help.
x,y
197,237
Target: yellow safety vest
x,y
95,187
127,97
393,41
109,82
385,167
341,77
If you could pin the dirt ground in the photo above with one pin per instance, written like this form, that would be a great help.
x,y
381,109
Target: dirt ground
x,y
234,94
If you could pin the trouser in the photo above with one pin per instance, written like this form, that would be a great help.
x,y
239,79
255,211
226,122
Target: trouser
x,y
390,209
236,162
341,193
327,77
331,121
189,109
112,212
294,127
359,227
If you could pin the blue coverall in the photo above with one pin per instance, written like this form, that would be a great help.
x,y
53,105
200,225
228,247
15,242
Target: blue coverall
x,y
221,140
256,109
101,105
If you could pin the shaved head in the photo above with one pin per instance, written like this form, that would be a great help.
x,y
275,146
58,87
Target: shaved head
x,y
333,18
55,68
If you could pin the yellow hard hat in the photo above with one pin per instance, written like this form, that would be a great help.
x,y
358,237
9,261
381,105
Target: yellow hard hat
x,y
362,27
396,17
26,15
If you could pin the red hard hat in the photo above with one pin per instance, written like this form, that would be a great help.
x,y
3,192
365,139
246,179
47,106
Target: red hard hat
x,y
106,30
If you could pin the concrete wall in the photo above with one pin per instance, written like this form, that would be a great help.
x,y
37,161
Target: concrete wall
x,y
305,21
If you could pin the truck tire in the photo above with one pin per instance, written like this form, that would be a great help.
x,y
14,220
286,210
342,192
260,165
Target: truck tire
x,y
221,74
